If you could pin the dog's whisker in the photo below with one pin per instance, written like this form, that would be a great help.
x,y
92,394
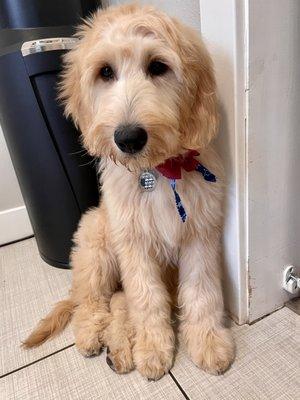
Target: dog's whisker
x,y
78,152
91,162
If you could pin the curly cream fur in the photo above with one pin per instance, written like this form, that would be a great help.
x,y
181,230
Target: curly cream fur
x,y
135,238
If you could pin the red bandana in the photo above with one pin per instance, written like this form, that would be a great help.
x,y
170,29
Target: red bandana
x,y
171,168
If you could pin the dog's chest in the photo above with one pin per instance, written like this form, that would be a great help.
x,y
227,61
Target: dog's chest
x,y
153,215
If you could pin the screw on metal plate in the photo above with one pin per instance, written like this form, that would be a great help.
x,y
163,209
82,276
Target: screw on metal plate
x,y
290,281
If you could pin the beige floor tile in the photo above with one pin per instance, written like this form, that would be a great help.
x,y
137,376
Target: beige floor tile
x,y
29,287
69,376
266,366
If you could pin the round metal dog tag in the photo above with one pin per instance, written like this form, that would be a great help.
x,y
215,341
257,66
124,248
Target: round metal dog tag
x,y
148,181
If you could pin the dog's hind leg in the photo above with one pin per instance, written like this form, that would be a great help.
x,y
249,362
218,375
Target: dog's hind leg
x,y
95,279
119,336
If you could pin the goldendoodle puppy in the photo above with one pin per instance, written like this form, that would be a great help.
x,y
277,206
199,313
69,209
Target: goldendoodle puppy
x,y
141,88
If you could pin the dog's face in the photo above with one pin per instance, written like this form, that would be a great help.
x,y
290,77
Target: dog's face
x,y
140,86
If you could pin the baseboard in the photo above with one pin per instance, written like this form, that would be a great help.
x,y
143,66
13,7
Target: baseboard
x,y
14,225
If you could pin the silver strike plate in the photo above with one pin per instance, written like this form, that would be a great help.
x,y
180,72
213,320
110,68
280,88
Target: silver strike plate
x,y
148,180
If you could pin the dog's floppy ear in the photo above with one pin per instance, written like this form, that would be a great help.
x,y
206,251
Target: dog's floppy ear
x,y
199,107
70,85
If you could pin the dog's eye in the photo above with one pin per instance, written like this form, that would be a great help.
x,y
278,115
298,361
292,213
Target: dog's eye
x,y
157,68
107,73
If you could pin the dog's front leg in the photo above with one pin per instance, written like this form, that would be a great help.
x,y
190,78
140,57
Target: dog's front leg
x,y
149,307
208,342
95,278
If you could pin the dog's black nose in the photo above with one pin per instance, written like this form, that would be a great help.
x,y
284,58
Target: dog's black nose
x,y
130,138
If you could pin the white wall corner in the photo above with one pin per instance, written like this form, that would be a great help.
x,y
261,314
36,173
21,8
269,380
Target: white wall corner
x,y
223,28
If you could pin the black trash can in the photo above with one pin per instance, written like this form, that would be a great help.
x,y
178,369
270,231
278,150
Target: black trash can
x,y
57,178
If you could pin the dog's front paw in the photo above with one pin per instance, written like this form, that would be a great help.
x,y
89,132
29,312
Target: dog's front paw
x,y
152,363
120,359
211,349
88,345
153,353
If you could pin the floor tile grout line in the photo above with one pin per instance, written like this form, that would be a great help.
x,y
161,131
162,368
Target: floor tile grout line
x,y
16,241
36,361
67,347
178,385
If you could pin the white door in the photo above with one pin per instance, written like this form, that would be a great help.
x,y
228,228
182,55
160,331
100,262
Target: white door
x,y
256,50
273,150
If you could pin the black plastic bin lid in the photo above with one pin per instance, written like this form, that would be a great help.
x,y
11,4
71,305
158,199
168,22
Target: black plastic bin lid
x,y
20,14
25,20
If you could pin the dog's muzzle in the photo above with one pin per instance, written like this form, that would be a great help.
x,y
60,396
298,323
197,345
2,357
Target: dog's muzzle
x,y
130,138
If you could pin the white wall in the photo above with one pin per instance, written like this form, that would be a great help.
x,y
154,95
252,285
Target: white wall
x,y
10,193
186,10
274,149
14,221
223,29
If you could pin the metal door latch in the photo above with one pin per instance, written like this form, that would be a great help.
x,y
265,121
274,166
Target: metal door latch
x,y
291,281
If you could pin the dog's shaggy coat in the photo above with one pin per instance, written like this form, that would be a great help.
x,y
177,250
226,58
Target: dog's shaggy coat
x,y
134,238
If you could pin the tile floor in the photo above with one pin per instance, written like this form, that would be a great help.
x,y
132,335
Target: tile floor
x,y
266,367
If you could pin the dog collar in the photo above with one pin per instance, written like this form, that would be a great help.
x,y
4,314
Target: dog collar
x,y
171,169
